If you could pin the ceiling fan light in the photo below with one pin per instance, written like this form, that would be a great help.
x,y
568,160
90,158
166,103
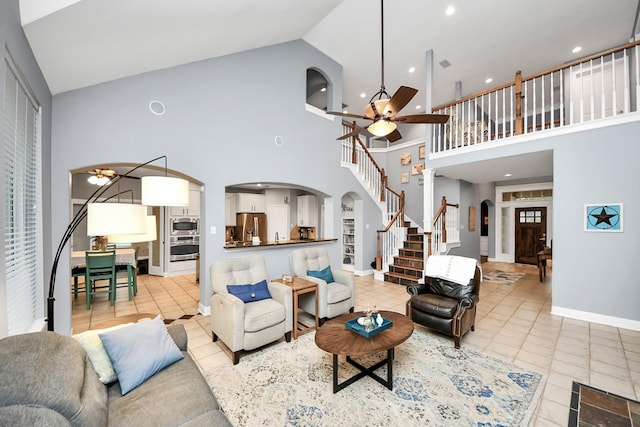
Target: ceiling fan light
x,y
98,180
382,127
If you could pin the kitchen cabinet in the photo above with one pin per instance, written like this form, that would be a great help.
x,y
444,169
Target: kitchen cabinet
x,y
307,211
348,243
230,209
193,209
251,203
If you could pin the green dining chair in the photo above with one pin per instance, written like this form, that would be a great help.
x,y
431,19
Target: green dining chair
x,y
77,272
132,275
100,266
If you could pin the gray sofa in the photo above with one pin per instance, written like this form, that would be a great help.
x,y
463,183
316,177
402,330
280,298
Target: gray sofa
x,y
47,379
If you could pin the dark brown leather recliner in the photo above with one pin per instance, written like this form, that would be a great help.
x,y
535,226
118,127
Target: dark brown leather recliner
x,y
445,306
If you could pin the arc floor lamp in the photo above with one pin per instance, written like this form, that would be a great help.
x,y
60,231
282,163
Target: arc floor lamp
x,y
120,218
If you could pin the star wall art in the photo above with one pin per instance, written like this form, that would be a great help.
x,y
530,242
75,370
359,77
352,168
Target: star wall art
x,y
603,217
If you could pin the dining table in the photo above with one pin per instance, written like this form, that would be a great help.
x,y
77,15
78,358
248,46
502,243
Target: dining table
x,y
123,256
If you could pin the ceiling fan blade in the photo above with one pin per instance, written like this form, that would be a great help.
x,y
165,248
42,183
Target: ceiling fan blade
x,y
394,136
399,100
355,132
422,118
353,116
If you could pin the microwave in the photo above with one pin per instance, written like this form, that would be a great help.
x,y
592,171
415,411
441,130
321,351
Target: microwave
x,y
185,226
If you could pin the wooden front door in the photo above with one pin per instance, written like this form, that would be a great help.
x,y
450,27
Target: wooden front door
x,y
531,227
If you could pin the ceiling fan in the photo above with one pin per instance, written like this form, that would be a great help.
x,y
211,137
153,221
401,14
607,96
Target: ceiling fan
x,y
101,176
382,110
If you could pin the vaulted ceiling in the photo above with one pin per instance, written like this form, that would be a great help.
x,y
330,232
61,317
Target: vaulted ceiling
x,y
80,43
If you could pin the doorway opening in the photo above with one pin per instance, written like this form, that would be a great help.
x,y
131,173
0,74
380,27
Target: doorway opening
x,y
530,229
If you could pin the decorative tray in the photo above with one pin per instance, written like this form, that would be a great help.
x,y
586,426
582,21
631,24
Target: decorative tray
x,y
356,327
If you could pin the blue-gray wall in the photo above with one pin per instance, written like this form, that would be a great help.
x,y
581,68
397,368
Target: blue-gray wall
x,y
593,274
222,116
14,43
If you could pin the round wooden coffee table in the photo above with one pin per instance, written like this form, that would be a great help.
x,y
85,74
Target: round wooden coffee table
x,y
334,337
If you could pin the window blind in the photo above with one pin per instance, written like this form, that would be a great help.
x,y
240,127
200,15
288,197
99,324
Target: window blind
x,y
22,196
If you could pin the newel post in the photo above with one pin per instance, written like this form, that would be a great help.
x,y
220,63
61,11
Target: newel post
x,y
354,157
519,120
444,219
378,255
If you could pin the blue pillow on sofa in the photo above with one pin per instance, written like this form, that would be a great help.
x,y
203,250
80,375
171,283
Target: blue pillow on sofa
x,y
250,293
324,274
139,351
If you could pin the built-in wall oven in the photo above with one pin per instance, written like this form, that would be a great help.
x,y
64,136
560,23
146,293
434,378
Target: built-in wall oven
x,y
184,248
185,226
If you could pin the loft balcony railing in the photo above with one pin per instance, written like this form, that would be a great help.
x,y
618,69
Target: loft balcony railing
x,y
597,87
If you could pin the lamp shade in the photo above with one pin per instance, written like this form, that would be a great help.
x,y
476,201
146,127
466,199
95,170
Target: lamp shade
x,y
382,128
164,191
149,235
104,219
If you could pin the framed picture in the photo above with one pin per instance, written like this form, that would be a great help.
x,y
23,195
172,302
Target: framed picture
x,y
417,169
405,158
472,218
603,217
422,152
404,177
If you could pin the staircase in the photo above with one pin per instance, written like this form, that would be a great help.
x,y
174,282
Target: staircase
x,y
401,246
408,265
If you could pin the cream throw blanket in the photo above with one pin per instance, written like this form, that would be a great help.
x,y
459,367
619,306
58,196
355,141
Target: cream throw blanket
x,y
456,269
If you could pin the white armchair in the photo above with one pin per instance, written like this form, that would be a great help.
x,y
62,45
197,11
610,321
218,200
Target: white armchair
x,y
246,326
334,298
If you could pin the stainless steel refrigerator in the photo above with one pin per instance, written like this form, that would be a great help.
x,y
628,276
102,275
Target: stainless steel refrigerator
x,y
250,225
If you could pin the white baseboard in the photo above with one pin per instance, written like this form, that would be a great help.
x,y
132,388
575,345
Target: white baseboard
x,y
205,310
617,322
362,272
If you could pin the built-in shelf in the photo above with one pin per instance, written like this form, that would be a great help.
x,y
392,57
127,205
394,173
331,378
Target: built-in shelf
x,y
348,243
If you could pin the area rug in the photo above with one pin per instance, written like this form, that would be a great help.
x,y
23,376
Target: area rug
x,y
290,384
593,407
500,277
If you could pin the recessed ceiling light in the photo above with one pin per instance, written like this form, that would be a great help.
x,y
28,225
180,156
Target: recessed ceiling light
x,y
507,174
489,80
346,112
450,11
418,107
412,69
362,95
324,89
577,49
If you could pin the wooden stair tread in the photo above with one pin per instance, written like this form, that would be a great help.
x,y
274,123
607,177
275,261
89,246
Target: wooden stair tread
x,y
403,276
405,267
410,258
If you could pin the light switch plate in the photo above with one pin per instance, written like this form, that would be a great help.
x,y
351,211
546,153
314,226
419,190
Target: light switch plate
x,y
213,229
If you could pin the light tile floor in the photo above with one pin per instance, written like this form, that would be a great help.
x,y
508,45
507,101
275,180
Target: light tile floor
x,y
513,324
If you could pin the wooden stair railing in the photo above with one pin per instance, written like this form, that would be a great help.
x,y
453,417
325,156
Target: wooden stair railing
x,y
383,180
440,227
384,239
394,201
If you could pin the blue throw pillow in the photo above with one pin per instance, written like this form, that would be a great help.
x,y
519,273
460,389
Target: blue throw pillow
x,y
139,351
324,274
250,293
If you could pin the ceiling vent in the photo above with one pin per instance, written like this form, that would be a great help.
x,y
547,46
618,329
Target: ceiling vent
x,y
445,64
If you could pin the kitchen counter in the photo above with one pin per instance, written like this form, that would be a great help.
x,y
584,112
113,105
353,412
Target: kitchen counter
x,y
273,244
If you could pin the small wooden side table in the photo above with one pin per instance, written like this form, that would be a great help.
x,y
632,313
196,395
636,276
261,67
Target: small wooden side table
x,y
543,256
301,286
